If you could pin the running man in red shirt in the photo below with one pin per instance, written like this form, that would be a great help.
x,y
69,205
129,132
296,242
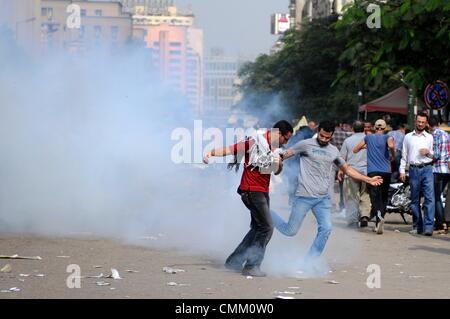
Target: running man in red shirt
x,y
254,191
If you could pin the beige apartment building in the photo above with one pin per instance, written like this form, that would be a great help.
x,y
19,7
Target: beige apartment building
x,y
41,26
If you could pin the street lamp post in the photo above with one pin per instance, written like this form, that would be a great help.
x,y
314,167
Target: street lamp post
x,y
360,95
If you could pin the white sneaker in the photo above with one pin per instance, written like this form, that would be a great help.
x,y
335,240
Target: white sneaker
x,y
380,227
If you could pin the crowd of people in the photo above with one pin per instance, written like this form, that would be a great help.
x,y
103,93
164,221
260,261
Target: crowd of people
x,y
364,161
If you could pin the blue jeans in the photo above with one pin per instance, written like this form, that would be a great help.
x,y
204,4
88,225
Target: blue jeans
x,y
321,208
440,181
421,182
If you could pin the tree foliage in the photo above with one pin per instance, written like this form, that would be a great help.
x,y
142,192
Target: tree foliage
x,y
411,46
301,73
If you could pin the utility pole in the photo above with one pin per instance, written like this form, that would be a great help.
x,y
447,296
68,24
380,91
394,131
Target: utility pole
x,y
411,107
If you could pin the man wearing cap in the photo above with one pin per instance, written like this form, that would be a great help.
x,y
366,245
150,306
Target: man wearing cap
x,y
418,153
380,152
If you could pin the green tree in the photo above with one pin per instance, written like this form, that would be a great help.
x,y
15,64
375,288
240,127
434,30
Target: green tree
x,y
411,46
301,74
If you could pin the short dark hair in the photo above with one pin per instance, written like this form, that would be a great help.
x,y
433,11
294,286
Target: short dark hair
x,y
433,121
358,127
422,114
284,127
327,126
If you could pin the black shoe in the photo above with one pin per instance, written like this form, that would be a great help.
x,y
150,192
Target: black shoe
x,y
364,222
233,266
427,233
253,271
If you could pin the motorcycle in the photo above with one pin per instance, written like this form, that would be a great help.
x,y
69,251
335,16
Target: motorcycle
x,y
399,200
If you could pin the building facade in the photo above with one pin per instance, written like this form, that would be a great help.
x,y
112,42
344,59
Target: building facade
x,y
43,26
103,25
176,46
220,82
311,9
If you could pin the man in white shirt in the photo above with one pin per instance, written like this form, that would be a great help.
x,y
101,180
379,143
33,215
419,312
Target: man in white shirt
x,y
418,153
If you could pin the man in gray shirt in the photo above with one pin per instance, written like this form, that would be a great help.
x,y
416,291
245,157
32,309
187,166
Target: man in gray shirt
x,y
357,201
317,157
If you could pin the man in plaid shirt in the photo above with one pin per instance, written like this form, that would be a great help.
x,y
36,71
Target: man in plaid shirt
x,y
441,173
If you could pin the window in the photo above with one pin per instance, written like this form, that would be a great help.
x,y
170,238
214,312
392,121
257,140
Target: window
x,y
81,32
174,52
175,61
98,13
47,12
83,12
114,32
97,31
175,44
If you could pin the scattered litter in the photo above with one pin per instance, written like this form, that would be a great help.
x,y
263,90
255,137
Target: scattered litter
x,y
249,277
102,283
330,271
14,289
334,282
131,271
396,231
98,276
39,275
398,265
115,274
401,272
112,288
284,297
175,284
6,268
286,292
20,257
97,266
62,256
293,287
416,276
172,270
24,275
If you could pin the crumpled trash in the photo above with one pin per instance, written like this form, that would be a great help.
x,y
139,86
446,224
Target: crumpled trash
x,y
62,256
249,277
102,283
333,282
115,274
287,292
176,284
396,231
172,270
13,289
415,277
20,257
131,271
24,275
6,268
39,275
284,297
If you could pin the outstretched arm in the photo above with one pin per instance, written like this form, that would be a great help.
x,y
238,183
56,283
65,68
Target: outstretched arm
x,y
353,173
223,151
